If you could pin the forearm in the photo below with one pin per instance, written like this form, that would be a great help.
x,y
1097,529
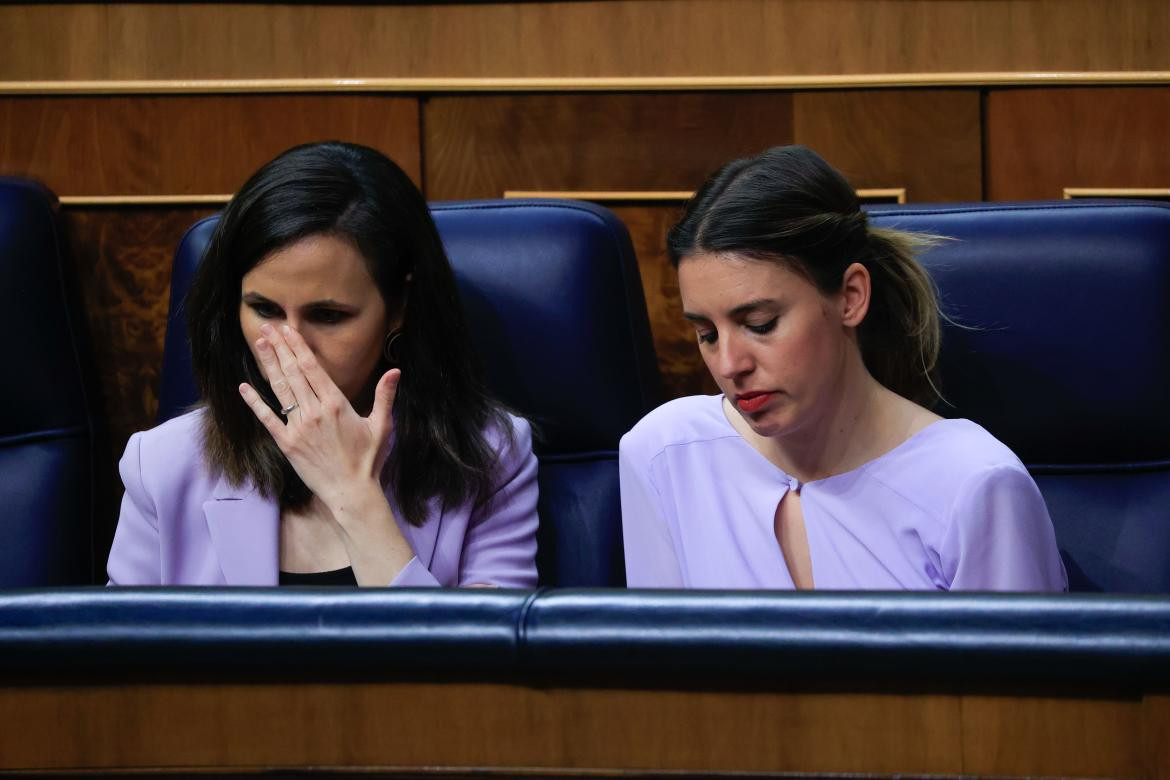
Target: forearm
x,y
377,549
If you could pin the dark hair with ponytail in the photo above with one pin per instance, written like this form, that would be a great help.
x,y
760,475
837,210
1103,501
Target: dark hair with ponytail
x,y
441,409
789,206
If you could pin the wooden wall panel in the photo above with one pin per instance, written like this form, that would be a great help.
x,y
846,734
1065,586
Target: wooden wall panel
x,y
1007,736
396,727
121,262
682,368
1155,734
474,725
191,144
586,38
927,141
1040,141
483,146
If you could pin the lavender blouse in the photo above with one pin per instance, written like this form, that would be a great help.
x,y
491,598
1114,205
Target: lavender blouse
x,y
951,508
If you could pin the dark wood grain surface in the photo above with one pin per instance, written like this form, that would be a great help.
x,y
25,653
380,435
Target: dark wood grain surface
x,y
926,141
589,38
121,262
411,727
1040,141
481,146
187,144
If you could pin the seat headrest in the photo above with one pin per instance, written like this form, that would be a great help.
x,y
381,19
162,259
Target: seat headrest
x,y
1060,344
49,395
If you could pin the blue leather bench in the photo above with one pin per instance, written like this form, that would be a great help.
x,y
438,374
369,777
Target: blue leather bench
x,y
46,432
1060,347
689,638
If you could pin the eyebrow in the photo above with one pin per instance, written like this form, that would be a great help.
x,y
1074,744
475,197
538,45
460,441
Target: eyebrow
x,y
738,311
255,297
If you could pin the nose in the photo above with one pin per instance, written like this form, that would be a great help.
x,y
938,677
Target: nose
x,y
733,358
297,324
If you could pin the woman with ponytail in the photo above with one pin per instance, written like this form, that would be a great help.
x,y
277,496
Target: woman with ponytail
x,y
343,435
820,464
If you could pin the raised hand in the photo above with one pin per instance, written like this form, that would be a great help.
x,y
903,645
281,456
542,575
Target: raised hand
x,y
337,453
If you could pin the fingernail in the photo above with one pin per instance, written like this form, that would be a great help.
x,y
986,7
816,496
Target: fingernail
x,y
266,329
261,345
285,329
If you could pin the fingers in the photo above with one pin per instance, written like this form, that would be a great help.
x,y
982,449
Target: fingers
x,y
381,416
263,413
270,365
287,367
318,379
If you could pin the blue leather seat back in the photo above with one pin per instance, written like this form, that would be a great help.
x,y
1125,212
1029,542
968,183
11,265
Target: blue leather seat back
x,y
1061,348
46,434
554,302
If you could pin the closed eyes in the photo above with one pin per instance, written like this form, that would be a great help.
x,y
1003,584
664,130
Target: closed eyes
x,y
266,310
711,336
762,328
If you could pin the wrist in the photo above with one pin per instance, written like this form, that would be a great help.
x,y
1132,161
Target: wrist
x,y
351,501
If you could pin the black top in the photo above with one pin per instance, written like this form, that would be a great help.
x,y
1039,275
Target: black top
x,y
337,577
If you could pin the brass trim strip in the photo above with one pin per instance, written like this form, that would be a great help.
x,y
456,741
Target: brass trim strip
x,y
144,200
897,193
603,196
580,84
642,196
1116,192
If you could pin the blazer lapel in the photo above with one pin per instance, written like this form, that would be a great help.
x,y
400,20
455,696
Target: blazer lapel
x,y
245,534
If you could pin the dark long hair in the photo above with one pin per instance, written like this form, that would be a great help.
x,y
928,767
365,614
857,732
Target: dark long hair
x,y
787,205
442,409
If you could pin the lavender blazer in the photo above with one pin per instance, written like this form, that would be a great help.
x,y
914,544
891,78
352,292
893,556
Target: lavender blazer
x,y
182,525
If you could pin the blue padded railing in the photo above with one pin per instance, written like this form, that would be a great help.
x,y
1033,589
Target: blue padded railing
x,y
766,637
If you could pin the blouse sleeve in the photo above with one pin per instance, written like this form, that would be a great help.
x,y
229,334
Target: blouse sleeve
x,y
135,557
500,548
1000,536
651,561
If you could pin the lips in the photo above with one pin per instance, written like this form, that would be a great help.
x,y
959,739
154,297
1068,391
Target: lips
x,y
752,402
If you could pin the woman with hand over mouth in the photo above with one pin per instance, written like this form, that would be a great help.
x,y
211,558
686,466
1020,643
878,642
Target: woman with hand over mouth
x,y
343,435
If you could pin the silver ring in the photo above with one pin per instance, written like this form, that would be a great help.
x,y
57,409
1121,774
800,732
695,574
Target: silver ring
x,y
291,407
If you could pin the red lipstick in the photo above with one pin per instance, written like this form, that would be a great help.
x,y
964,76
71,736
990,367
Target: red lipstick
x,y
752,402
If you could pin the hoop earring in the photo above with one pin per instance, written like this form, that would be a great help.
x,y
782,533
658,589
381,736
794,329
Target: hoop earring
x,y
392,345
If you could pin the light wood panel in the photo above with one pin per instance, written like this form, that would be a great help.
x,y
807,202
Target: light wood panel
x,y
1155,733
418,726
1052,736
586,38
1042,141
187,145
926,141
489,725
